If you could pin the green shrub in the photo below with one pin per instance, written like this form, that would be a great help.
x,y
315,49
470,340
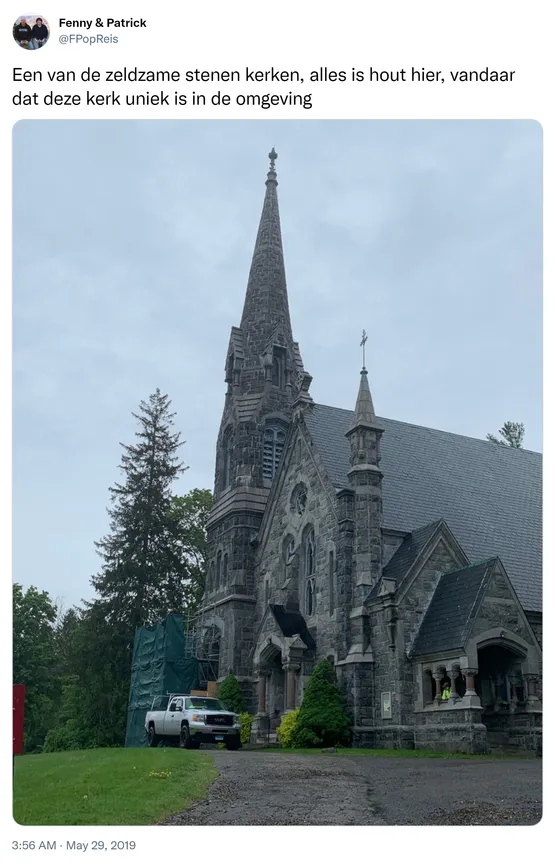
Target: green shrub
x,y
246,725
65,738
286,730
230,693
322,718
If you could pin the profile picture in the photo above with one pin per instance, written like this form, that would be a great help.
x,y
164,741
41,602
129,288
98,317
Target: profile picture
x,y
31,32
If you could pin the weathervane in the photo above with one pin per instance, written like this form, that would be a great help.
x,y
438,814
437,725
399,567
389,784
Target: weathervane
x,y
363,344
272,156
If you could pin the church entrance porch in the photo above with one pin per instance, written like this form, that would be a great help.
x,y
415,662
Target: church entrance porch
x,y
511,708
483,701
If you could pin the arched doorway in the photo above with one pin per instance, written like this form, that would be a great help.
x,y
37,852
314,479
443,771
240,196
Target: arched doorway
x,y
499,682
271,660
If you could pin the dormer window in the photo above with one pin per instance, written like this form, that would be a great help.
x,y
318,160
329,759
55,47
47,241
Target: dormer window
x,y
274,439
278,367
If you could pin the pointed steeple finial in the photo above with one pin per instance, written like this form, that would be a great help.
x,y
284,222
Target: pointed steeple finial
x,y
363,344
364,415
272,176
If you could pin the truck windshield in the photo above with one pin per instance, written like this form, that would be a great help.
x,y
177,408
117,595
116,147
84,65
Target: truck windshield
x,y
205,704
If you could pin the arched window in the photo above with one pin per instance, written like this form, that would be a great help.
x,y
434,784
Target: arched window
x,y
226,566
310,599
288,556
428,687
278,366
274,438
309,568
309,553
227,443
211,577
218,569
331,580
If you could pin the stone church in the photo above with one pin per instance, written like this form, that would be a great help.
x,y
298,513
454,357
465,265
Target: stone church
x,y
409,557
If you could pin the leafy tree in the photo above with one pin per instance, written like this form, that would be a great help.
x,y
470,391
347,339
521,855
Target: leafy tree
x,y
512,435
230,693
322,720
34,657
95,684
188,516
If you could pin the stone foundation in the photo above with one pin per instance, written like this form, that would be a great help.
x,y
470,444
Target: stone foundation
x,y
455,730
390,737
519,732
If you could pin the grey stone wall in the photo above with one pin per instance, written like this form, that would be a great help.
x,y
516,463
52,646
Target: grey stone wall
x,y
536,624
301,467
499,608
515,732
393,669
416,598
458,730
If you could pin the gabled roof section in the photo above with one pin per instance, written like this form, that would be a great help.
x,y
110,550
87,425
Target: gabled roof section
x,y
291,622
489,496
452,609
406,555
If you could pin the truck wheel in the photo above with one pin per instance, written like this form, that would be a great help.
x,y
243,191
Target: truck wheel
x,y
234,744
153,738
185,741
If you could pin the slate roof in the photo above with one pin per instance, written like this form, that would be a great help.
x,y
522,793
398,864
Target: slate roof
x,y
409,551
292,622
489,496
454,604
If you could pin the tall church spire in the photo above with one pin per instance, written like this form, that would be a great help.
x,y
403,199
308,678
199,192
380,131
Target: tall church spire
x,y
266,305
364,409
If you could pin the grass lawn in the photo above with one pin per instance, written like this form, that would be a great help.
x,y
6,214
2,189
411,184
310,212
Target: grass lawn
x,y
392,753
108,786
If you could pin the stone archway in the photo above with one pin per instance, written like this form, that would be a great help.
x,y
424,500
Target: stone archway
x,y
271,667
500,681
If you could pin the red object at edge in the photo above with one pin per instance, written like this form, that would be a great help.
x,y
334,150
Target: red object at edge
x,y
18,716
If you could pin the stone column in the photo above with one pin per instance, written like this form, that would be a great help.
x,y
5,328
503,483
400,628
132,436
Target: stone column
x,y
533,703
453,674
291,673
469,675
261,692
531,681
438,677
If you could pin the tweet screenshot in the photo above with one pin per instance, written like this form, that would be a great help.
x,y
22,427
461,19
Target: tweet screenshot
x,y
273,457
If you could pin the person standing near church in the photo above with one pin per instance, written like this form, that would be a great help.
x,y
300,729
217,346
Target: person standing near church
x,y
39,34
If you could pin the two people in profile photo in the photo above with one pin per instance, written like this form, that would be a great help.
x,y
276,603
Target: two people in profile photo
x,y
31,32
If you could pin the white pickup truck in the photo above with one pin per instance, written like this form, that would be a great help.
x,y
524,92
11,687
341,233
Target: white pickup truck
x,y
192,720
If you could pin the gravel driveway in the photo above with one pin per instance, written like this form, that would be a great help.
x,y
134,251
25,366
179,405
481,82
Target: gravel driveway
x,y
272,788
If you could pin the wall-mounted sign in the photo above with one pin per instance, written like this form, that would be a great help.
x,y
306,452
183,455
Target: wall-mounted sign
x,y
386,705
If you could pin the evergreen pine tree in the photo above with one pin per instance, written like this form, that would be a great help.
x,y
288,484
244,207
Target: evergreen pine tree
x,y
142,561
512,435
322,720
230,693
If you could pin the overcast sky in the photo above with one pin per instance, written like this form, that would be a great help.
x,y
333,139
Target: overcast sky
x,y
132,245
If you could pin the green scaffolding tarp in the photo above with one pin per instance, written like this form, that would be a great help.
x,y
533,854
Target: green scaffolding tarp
x,y
159,667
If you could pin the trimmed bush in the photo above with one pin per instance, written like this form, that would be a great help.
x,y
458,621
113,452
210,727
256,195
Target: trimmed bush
x,y
246,725
230,693
286,730
322,718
